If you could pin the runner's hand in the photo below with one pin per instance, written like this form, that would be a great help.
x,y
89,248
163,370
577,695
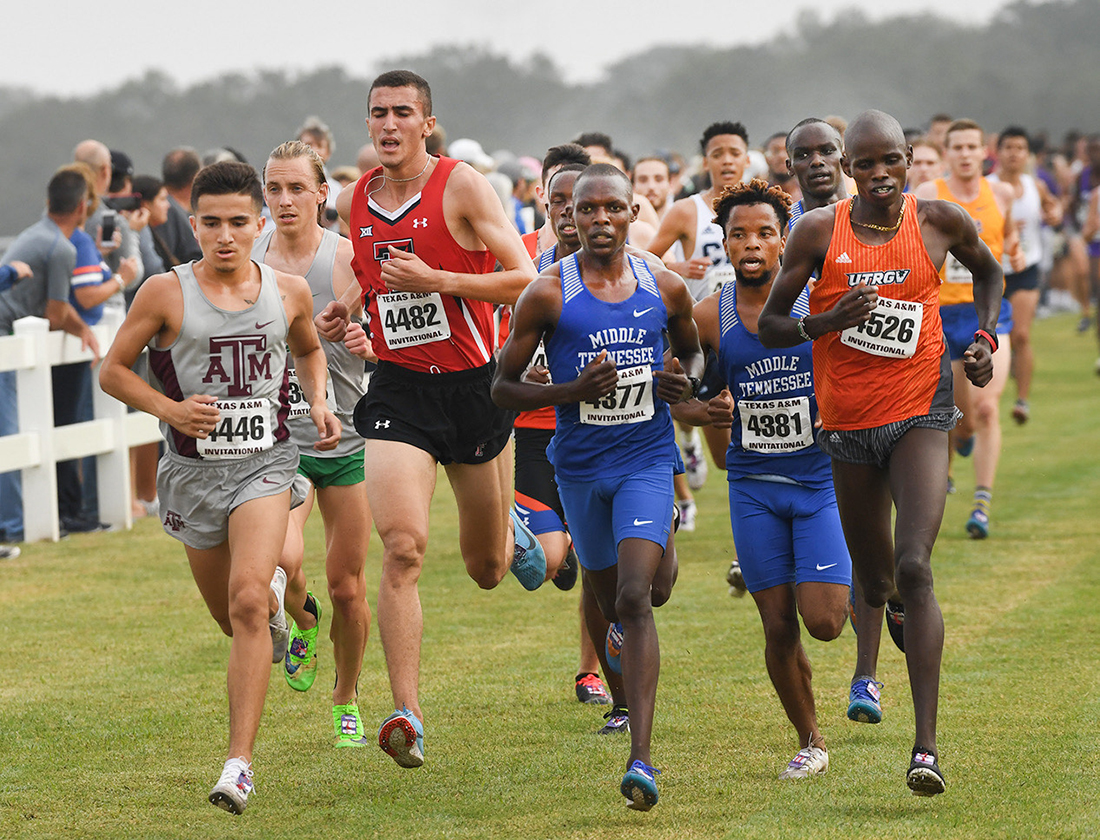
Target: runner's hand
x,y
328,427
673,386
358,343
720,410
598,379
195,416
978,364
854,307
405,272
538,374
332,322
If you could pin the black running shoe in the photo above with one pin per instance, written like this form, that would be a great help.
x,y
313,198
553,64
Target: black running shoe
x,y
925,777
566,576
895,623
618,720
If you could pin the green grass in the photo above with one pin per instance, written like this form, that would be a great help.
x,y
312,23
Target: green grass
x,y
113,714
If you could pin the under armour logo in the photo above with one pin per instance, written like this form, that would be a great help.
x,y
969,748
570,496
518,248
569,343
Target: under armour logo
x,y
381,424
366,231
419,223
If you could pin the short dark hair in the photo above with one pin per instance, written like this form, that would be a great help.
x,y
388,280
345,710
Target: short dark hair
x,y
147,186
755,191
964,124
805,122
568,167
228,178
623,157
67,188
1014,131
657,158
595,138
179,168
715,129
565,153
404,78
605,170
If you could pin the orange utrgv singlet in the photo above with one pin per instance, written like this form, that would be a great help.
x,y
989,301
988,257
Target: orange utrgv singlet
x,y
958,282
857,389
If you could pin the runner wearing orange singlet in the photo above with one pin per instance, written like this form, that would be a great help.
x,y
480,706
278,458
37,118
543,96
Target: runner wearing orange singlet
x,y
883,384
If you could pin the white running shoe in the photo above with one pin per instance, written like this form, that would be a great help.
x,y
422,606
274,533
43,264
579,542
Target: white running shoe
x,y
231,791
810,761
687,515
280,628
695,461
9,552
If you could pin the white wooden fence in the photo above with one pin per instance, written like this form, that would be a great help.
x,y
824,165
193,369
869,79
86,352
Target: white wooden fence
x,y
32,351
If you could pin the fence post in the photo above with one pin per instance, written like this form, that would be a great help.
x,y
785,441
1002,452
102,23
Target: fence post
x,y
113,468
35,387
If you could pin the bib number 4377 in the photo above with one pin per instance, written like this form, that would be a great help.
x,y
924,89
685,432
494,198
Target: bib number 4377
x,y
630,402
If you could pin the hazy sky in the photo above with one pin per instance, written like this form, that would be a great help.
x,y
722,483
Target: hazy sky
x,y
95,46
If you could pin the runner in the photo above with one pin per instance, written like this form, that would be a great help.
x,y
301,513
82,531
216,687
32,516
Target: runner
x,y
1033,206
782,507
990,205
296,193
690,223
218,335
601,314
428,403
883,383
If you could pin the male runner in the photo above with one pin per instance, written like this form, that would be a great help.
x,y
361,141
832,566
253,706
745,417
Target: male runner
x,y
296,193
653,180
601,314
725,147
883,382
990,205
218,331
427,233
927,163
1033,206
814,149
779,174
782,507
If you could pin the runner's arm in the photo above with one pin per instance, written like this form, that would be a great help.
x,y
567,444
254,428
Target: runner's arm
x,y
196,415
804,252
968,248
674,383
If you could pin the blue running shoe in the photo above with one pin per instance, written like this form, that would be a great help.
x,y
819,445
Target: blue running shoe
x,y
978,524
401,736
963,448
614,647
640,786
895,623
864,701
529,560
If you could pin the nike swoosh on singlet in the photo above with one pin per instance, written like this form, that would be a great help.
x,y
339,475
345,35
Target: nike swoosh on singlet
x,y
821,568
638,522
260,326
638,314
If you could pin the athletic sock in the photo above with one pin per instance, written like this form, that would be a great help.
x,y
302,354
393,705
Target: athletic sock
x,y
983,499
310,606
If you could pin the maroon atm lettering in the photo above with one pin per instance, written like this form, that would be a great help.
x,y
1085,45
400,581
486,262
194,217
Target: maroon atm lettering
x,y
248,361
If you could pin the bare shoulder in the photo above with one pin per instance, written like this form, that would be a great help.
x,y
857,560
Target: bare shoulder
x,y
345,251
946,215
294,289
1004,192
160,292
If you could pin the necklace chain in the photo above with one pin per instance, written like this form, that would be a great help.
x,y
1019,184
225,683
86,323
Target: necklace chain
x,y
413,178
883,228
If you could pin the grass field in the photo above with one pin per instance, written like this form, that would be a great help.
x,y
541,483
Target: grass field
x,y
113,717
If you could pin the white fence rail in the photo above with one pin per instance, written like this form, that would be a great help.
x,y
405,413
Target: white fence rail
x,y
32,351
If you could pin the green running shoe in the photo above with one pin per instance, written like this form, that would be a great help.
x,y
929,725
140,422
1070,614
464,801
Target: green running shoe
x,y
348,726
300,663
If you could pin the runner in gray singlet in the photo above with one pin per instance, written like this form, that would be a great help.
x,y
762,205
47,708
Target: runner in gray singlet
x,y
219,331
295,191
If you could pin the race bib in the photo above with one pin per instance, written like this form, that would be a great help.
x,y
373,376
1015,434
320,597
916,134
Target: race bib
x,y
892,331
412,318
772,426
956,272
630,402
717,276
244,428
299,405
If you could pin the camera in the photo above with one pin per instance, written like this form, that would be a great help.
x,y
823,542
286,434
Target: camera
x,y
132,201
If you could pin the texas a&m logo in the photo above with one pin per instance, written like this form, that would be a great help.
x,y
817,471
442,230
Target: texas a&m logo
x,y
238,361
382,249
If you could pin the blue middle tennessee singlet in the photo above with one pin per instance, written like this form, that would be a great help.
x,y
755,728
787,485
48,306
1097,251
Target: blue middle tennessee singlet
x,y
774,402
630,429
797,210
